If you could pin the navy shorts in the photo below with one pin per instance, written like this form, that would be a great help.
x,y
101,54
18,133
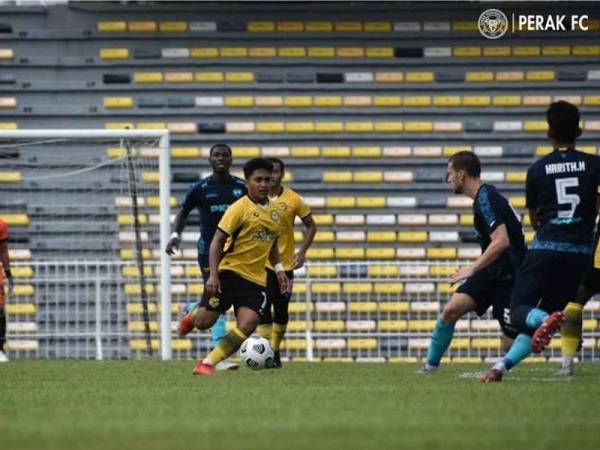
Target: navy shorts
x,y
549,280
237,292
491,290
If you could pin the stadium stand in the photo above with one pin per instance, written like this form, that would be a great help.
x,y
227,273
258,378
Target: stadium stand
x,y
365,130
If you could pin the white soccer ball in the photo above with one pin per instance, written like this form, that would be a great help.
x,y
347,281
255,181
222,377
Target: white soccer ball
x,y
256,353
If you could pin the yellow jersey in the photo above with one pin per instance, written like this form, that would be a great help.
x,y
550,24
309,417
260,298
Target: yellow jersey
x,y
289,204
252,229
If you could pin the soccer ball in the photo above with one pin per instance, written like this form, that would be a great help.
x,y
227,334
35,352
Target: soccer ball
x,y
256,353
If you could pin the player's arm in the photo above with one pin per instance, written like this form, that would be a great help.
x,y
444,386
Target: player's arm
x,y
215,254
5,260
499,243
309,236
533,218
275,260
179,225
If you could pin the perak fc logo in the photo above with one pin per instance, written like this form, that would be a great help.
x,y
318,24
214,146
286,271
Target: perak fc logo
x,y
493,23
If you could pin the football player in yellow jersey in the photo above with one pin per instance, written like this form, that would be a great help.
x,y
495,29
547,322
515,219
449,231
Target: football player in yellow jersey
x,y
245,238
289,204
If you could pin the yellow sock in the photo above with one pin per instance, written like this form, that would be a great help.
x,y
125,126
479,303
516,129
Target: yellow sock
x,y
278,334
228,345
570,331
265,331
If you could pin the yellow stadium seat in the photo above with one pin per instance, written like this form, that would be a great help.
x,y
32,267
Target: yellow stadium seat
x,y
511,76
10,177
173,27
20,309
336,152
445,288
292,52
118,102
320,253
418,127
517,202
442,271
551,50
350,52
209,77
204,52
141,27
185,152
294,344
467,52
23,290
516,177
151,126
460,26
447,100
417,101
389,77
370,202
377,27
136,326
530,50
297,101
357,288
350,253
496,52
359,127
507,100
196,289
328,101
380,253
239,102
389,127
393,325
300,127
586,50
540,75
127,254
328,325
299,307
321,52
381,236
479,77
270,127
391,288
295,326
367,177
537,100
387,100
325,237
179,77
421,325
441,253
154,202
128,219
245,152
260,27
112,27
329,127
290,27
589,149
22,272
326,288
412,236
348,27
141,345
322,271
420,77
239,77
233,52
305,152
543,150
262,52
323,219
591,100
357,100
135,289
340,202
362,343
337,177
450,150
268,101
363,307
535,126
319,27
366,153
379,52
382,271
148,77
459,344
477,100
114,53
486,343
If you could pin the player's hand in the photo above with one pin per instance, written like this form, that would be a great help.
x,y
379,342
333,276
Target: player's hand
x,y
285,285
213,286
298,260
173,245
461,274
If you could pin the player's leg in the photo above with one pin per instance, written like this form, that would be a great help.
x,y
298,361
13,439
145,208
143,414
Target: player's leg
x,y
265,323
3,357
460,303
281,304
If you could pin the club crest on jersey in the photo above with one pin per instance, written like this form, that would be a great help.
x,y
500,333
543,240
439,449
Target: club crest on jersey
x,y
275,216
214,302
237,192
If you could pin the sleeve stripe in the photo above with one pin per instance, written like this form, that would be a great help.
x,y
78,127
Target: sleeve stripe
x,y
219,228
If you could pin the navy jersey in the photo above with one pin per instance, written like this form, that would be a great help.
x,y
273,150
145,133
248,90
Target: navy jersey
x,y
562,188
212,200
490,210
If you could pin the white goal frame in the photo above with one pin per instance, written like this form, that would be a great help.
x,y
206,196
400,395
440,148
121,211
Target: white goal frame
x,y
164,162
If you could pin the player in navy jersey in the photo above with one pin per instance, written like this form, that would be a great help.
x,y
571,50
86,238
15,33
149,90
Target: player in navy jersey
x,y
211,196
489,280
561,191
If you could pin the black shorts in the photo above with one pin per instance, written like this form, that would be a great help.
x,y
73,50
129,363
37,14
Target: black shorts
x,y
548,279
494,291
275,299
236,291
592,282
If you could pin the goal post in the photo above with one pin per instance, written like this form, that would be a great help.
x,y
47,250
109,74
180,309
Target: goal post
x,y
163,138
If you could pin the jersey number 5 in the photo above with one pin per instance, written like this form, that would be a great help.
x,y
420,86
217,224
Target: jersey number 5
x,y
567,199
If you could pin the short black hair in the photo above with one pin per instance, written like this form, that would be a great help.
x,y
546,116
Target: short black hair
x,y
220,146
467,161
257,164
274,160
563,121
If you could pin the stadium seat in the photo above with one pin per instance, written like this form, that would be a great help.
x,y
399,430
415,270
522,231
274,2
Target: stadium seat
x,y
479,77
540,75
321,52
349,253
111,53
466,52
142,27
392,325
511,76
420,77
320,253
10,177
200,53
497,52
389,77
391,289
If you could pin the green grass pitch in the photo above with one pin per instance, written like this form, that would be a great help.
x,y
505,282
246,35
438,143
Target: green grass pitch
x,y
153,405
